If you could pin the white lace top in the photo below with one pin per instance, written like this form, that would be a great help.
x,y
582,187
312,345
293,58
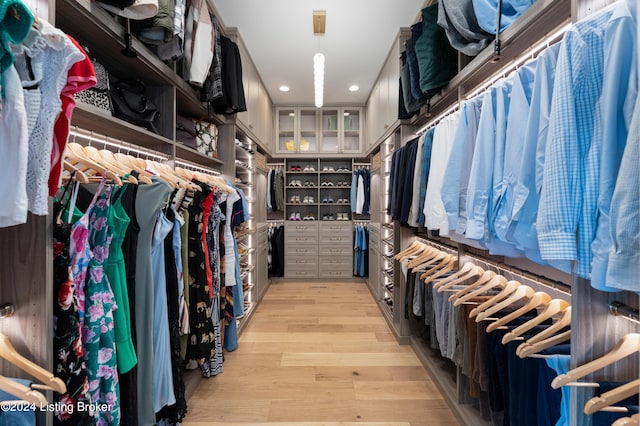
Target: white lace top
x,y
43,61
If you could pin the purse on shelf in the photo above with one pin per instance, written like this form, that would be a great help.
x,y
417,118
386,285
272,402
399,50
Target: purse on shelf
x,y
98,95
131,104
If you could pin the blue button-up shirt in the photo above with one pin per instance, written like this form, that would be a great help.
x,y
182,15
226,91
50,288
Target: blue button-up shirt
x,y
623,270
503,191
531,165
570,184
427,144
486,169
617,103
456,175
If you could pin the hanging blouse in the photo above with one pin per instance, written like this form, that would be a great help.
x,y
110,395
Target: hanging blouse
x,y
46,51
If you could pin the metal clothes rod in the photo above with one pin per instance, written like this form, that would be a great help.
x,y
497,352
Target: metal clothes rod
x,y
196,168
625,311
90,136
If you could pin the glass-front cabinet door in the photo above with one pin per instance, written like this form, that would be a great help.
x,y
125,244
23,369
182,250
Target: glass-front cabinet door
x,y
308,130
331,127
351,130
286,130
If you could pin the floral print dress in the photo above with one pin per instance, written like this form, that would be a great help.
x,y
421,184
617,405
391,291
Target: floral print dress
x,y
97,331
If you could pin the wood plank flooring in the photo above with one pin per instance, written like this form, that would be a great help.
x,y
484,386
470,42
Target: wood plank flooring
x,y
319,354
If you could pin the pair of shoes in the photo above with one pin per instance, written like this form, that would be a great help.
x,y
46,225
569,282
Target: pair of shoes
x,y
295,169
309,200
295,216
328,217
343,183
343,216
328,200
326,183
309,216
309,169
295,183
328,169
309,183
344,170
343,201
294,199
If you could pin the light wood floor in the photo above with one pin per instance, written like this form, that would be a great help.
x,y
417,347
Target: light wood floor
x,y
319,354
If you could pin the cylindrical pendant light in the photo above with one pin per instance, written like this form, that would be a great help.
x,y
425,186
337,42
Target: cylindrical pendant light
x,y
318,78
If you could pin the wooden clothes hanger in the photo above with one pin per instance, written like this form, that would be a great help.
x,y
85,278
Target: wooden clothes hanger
x,y
8,352
628,345
612,397
93,153
78,175
531,349
77,157
467,271
24,393
448,263
485,278
414,248
538,299
563,322
427,256
554,307
628,421
521,292
506,291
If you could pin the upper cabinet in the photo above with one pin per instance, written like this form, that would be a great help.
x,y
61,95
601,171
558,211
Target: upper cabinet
x,y
257,119
341,131
308,130
382,107
296,130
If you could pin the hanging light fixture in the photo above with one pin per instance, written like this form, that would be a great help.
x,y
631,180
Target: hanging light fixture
x,y
318,78
319,22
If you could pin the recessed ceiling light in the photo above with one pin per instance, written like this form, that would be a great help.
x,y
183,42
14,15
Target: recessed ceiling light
x,y
292,114
353,88
346,114
284,88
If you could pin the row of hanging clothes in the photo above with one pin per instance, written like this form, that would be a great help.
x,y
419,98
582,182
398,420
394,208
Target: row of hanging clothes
x,y
497,175
360,190
275,248
360,249
275,188
147,284
511,341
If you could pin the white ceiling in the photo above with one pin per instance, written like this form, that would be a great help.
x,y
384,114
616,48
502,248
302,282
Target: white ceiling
x,y
279,37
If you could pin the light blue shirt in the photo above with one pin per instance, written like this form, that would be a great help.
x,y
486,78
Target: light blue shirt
x,y
486,168
456,174
531,165
617,103
624,258
570,186
427,144
504,190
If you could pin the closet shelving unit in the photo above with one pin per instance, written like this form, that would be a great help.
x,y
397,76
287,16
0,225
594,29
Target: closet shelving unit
x,y
387,236
245,167
325,181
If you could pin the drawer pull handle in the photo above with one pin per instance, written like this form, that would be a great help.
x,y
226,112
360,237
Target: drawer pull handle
x,y
301,250
335,239
335,261
335,251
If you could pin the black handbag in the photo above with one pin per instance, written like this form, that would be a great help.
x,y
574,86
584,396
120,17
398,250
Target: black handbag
x,y
131,104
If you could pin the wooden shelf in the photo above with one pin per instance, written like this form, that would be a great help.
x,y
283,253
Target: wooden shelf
x,y
89,23
184,152
88,117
